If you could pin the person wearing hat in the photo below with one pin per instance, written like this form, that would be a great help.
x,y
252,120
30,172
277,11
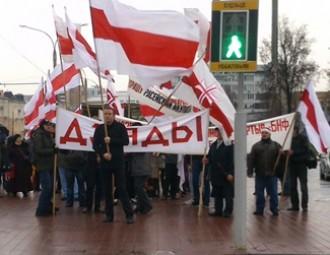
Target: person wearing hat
x,y
262,160
44,151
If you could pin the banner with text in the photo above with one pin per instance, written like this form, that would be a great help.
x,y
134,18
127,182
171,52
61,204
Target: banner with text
x,y
184,135
278,126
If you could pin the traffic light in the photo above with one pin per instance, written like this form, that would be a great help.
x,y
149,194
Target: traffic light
x,y
233,34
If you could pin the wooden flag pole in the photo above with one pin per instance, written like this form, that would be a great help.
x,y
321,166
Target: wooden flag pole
x,y
54,184
285,139
86,98
201,187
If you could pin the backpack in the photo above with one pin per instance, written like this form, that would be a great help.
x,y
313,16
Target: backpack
x,y
311,159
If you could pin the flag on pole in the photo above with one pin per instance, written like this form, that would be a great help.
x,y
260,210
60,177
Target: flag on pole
x,y
151,47
68,78
313,117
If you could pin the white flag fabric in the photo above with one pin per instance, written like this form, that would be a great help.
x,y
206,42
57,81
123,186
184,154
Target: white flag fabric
x,y
184,135
212,96
151,47
316,124
279,128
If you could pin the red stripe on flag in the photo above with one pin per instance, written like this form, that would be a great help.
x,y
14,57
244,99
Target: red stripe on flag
x,y
64,78
147,111
82,40
66,45
311,115
145,48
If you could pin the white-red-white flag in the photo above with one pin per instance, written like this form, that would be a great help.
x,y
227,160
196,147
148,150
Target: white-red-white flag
x,y
313,117
112,99
39,107
151,47
64,41
212,96
68,78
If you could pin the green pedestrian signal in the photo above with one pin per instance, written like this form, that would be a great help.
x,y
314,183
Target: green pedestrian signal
x,y
233,35
234,47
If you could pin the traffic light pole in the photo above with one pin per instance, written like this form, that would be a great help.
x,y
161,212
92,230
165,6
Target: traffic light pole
x,y
240,201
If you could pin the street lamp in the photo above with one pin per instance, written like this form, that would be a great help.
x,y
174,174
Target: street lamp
x,y
51,39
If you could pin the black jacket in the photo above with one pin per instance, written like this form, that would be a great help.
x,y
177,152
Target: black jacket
x,y
221,163
299,146
119,138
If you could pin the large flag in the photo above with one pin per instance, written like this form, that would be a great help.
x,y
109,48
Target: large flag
x,y
313,117
151,47
112,99
68,78
212,96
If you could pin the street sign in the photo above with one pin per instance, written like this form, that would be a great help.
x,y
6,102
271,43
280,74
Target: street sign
x,y
234,36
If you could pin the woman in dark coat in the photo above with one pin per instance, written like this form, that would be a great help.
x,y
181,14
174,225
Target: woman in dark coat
x,y
19,157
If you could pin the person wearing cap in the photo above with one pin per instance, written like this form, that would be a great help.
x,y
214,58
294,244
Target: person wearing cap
x,y
262,160
44,151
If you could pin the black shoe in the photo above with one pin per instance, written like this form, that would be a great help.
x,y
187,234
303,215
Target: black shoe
x,y
98,210
108,220
226,214
68,205
86,210
147,210
258,213
275,213
215,214
43,214
305,209
130,219
293,209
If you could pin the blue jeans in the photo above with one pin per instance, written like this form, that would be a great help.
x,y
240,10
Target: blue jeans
x,y
197,167
71,175
270,184
45,197
63,181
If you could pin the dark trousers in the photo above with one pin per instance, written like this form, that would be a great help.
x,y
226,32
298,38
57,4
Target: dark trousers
x,y
143,201
299,172
270,184
120,183
94,187
46,182
171,184
197,167
71,174
221,193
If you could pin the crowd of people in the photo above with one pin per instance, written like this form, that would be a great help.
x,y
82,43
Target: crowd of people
x,y
108,174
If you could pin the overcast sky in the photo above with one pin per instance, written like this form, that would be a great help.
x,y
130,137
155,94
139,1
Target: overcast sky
x,y
27,55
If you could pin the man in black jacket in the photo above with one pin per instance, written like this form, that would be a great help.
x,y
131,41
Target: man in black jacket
x,y
221,165
262,160
112,162
298,170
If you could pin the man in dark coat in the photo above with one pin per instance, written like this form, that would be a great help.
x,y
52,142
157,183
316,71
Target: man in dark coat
x,y
44,151
262,160
298,170
221,166
113,162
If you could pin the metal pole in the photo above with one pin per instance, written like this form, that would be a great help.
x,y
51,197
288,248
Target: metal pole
x,y
240,204
51,39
